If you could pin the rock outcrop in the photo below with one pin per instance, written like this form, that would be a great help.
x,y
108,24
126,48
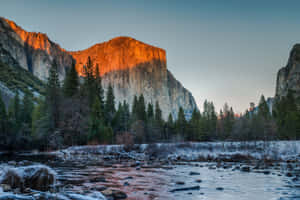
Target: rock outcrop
x,y
131,66
288,77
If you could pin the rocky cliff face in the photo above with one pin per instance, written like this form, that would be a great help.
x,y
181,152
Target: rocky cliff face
x,y
132,67
136,68
288,77
31,51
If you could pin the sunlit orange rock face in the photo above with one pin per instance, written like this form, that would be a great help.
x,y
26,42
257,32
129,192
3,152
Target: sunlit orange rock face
x,y
120,53
30,50
38,41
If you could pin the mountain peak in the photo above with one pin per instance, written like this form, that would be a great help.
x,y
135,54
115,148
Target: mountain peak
x,y
119,53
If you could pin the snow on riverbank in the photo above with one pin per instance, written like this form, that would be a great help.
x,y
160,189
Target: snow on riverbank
x,y
272,150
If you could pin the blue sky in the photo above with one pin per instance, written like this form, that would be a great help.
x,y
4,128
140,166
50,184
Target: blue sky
x,y
224,51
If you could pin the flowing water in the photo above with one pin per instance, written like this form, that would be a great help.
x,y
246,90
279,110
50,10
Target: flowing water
x,y
160,181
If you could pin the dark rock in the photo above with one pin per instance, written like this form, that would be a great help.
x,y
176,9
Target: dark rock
x,y
128,177
266,172
194,173
220,188
245,169
98,179
41,179
289,174
119,194
295,179
12,178
180,183
186,188
100,188
198,181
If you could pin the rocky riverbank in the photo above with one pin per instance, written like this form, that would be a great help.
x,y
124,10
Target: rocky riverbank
x,y
151,172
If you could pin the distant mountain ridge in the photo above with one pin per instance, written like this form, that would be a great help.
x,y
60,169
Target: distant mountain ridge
x,y
131,66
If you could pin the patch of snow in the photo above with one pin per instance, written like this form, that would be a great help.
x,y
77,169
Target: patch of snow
x,y
273,150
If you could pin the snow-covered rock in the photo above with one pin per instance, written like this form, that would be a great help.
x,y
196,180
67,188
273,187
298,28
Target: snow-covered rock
x,y
39,177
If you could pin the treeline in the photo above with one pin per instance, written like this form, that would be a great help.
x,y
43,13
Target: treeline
x,y
79,112
261,123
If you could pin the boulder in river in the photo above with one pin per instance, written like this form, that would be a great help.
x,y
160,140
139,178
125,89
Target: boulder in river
x,y
12,178
38,177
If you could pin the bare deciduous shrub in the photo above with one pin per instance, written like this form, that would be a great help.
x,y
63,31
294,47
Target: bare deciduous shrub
x,y
126,139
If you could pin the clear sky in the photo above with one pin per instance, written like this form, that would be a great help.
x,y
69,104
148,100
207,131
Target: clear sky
x,y
224,51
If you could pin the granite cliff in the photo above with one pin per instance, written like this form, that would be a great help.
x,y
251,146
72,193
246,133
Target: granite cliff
x,y
31,51
288,77
131,66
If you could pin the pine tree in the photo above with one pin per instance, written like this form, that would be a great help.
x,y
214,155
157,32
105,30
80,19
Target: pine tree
x,y
213,118
53,97
125,117
158,124
228,120
181,123
150,112
158,114
16,110
71,82
109,104
14,114
98,86
88,87
117,119
96,125
3,117
37,114
287,116
170,126
195,133
27,108
263,109
141,108
135,108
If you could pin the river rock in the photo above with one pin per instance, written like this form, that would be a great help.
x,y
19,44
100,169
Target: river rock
x,y
186,188
245,169
38,177
194,173
180,183
117,194
12,178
